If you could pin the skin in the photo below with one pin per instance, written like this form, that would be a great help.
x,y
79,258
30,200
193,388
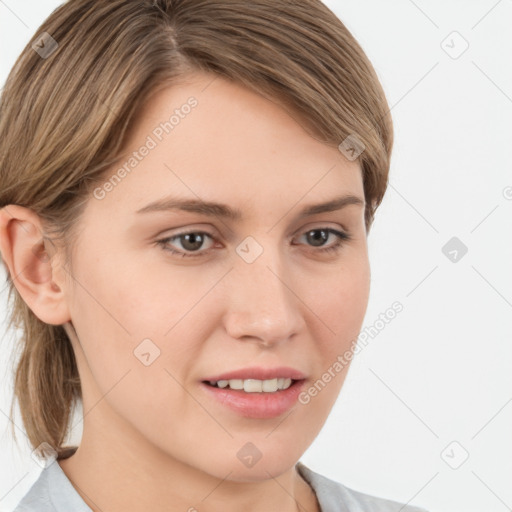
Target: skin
x,y
152,439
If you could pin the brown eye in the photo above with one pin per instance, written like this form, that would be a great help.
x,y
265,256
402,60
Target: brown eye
x,y
318,237
190,242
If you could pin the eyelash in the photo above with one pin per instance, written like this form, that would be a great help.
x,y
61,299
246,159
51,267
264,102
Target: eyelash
x,y
163,243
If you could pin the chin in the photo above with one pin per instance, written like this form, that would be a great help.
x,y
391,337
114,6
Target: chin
x,y
252,462
260,471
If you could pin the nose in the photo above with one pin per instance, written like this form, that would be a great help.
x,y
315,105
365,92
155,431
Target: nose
x,y
262,303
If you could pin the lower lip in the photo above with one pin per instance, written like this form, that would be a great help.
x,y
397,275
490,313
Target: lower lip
x,y
256,405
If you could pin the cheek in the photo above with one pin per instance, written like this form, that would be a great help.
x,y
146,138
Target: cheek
x,y
341,302
135,359
340,307
148,321
124,320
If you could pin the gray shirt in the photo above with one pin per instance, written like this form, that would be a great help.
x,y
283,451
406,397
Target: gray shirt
x,y
53,492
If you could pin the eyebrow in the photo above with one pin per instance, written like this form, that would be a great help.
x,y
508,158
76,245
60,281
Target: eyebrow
x,y
223,210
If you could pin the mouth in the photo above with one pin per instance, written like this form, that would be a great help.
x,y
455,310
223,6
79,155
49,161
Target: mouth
x,y
269,396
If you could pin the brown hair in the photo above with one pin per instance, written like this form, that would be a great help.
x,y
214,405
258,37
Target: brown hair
x,y
65,116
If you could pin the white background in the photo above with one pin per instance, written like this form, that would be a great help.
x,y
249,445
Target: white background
x,y
440,371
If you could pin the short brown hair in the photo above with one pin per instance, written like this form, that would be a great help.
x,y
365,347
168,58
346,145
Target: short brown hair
x,y
64,120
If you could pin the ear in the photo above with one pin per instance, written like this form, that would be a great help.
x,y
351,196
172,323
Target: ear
x,y
32,262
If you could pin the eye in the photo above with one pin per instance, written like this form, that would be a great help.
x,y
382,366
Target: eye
x,y
191,242
319,236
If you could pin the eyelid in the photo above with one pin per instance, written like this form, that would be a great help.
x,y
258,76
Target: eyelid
x,y
320,225
304,229
215,233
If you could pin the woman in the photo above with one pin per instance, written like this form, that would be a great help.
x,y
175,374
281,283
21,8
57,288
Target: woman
x,y
187,188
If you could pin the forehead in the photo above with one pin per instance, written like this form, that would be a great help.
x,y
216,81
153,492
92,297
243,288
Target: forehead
x,y
209,138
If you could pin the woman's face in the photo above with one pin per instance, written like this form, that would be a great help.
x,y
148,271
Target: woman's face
x,y
254,292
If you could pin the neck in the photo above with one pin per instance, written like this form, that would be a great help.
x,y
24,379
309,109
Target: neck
x,y
121,472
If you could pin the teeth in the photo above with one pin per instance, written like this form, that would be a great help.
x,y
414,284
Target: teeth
x,y
254,385
236,384
269,386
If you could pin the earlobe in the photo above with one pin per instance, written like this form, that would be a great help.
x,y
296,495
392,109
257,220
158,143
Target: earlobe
x,y
25,254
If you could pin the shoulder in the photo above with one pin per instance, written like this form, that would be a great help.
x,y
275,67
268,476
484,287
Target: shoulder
x,y
37,497
336,497
52,492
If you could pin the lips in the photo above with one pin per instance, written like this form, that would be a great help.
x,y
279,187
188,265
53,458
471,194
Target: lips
x,y
255,403
259,373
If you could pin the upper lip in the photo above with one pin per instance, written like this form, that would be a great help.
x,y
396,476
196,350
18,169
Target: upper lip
x,y
260,374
